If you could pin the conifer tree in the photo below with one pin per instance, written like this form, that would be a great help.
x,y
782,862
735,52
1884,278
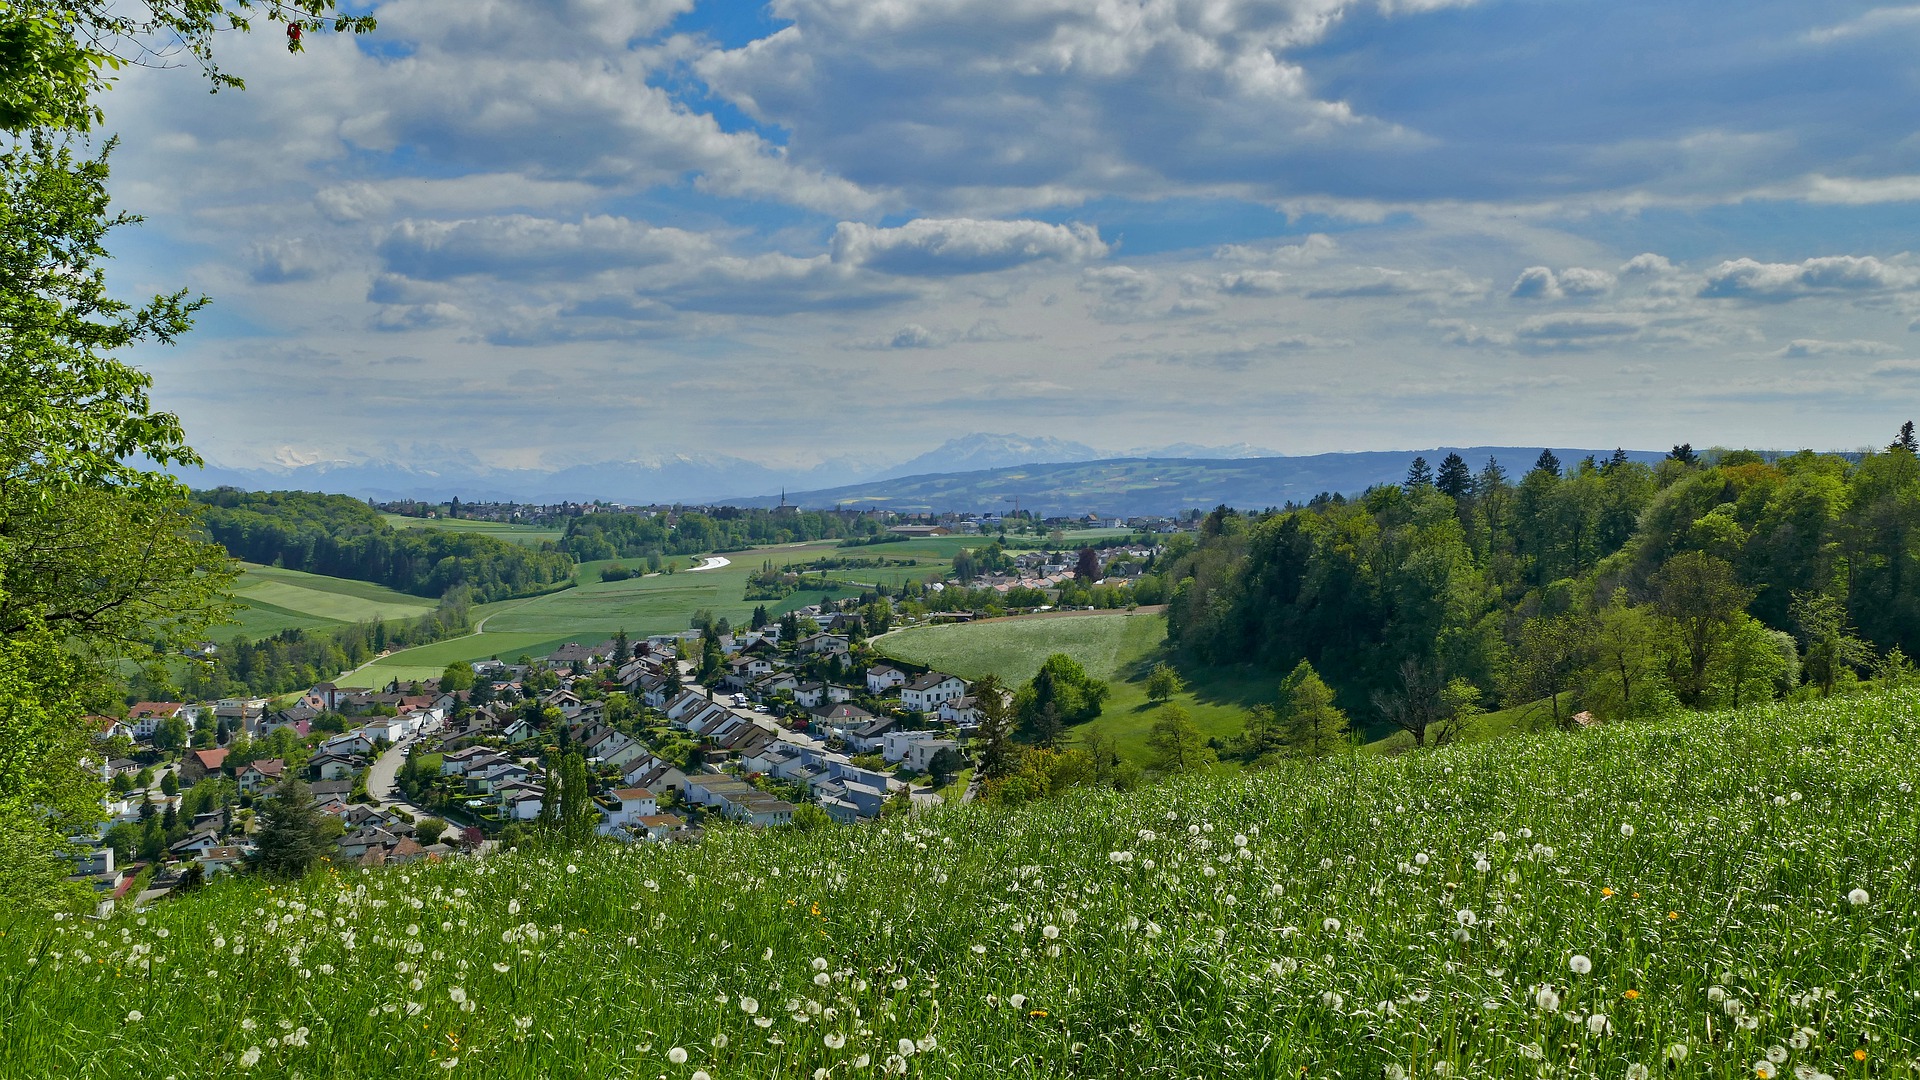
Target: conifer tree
x,y
1314,725
289,838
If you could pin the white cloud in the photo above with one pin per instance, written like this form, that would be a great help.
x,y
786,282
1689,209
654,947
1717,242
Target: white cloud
x,y
1313,249
1807,348
1829,274
1876,20
288,259
1580,281
1535,283
1573,330
1647,264
518,246
935,247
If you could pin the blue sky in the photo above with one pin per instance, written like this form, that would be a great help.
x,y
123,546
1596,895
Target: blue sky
x,y
543,232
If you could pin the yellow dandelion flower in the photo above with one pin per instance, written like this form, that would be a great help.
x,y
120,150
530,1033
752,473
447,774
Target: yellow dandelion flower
x,y
1042,1014
1604,891
1632,995
1859,1055
1672,915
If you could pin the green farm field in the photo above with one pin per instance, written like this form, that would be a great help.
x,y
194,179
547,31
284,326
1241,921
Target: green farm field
x,y
1712,897
1118,647
595,610
274,599
512,532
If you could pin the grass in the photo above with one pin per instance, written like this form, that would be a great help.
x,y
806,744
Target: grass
x,y
1574,905
512,532
1117,647
275,599
594,610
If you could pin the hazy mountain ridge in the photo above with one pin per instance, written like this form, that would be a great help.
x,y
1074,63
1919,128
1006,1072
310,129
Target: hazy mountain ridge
x,y
1127,487
974,473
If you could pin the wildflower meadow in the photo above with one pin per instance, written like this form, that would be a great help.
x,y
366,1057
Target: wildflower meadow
x,y
1726,895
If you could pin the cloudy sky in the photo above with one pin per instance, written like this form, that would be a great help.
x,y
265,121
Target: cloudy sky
x,y
544,232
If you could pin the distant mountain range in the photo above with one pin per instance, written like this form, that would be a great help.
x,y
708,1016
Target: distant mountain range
x,y
668,479
975,473
1165,485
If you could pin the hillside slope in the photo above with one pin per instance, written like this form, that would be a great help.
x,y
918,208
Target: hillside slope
x,y
1731,894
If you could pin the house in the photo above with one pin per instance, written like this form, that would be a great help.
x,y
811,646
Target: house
x,y
456,761
810,695
195,843
257,775
826,644
355,743
749,667
221,860
200,764
881,678
963,712
768,685
660,826
146,717
925,693
520,731
241,714
520,802
918,754
328,765
299,717
330,793
633,804
654,774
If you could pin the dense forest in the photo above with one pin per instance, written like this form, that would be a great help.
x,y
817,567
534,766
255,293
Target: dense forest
x,y
1610,586
343,537
639,535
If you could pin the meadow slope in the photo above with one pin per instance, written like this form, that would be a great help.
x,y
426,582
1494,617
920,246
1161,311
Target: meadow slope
x,y
1720,896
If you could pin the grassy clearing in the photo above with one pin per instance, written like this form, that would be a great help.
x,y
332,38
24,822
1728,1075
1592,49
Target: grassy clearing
x,y
512,532
1118,647
1716,897
274,599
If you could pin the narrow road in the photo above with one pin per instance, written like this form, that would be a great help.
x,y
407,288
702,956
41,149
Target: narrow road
x,y
714,562
380,780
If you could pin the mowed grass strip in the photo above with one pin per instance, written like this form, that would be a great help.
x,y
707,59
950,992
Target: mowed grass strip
x,y
511,531
273,599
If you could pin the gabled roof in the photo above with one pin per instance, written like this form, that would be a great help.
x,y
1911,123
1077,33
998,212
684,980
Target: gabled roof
x,y
210,760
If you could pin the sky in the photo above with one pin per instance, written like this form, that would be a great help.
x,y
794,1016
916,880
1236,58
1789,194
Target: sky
x,y
537,233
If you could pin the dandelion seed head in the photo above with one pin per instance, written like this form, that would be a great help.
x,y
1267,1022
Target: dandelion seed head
x,y
1579,964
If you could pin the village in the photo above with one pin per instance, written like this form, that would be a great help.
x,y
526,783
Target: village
x,y
798,723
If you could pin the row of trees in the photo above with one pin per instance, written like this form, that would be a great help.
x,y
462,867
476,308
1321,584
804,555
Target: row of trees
x,y
343,537
643,534
1613,586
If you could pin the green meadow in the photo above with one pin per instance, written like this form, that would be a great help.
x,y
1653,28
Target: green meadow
x,y
1117,647
274,599
1713,897
512,532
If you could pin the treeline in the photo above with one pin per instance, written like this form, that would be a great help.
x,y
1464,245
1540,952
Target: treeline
x,y
343,537
640,535
1610,586
297,659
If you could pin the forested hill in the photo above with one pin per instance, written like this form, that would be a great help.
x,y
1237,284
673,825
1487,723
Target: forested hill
x,y
1616,587
344,537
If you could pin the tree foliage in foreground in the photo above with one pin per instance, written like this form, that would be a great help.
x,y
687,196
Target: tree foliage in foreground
x,y
99,560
